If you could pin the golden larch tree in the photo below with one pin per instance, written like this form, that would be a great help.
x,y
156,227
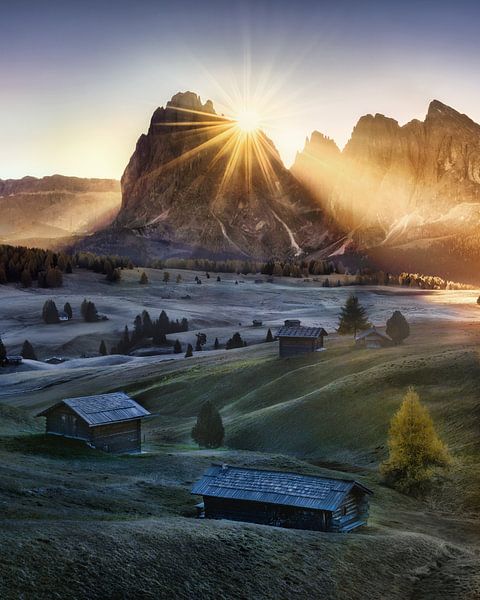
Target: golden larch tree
x,y
415,449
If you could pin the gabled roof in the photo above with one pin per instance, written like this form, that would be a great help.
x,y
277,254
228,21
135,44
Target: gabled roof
x,y
103,408
275,487
372,331
301,332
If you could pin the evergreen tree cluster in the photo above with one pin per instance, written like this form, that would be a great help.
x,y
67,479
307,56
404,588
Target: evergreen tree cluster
x,y
144,328
235,341
89,312
101,264
29,265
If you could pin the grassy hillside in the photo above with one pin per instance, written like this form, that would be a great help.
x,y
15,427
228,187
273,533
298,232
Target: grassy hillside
x,y
97,526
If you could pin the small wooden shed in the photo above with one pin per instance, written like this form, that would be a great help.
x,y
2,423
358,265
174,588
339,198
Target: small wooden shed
x,y
372,339
283,499
108,422
296,340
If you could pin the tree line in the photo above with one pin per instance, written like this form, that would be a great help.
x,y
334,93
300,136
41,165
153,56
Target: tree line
x,y
28,265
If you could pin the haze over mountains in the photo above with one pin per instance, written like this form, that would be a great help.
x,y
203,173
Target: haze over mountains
x,y
411,193
48,211
407,196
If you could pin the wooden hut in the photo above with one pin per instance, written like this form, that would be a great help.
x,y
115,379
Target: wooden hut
x,y
109,422
14,360
296,340
372,339
283,499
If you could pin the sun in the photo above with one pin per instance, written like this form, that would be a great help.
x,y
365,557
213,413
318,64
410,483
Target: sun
x,y
248,121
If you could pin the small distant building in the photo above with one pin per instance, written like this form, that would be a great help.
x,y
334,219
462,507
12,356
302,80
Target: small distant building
x,y
296,340
372,339
14,360
257,323
55,360
108,422
62,316
282,499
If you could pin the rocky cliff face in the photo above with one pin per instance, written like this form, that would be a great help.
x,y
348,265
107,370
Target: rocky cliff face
x,y
196,185
44,211
393,183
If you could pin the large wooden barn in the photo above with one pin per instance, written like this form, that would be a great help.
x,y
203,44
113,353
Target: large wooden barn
x,y
282,499
296,340
108,422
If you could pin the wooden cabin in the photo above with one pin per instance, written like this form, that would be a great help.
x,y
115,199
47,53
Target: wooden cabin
x,y
13,360
108,422
296,340
372,339
283,499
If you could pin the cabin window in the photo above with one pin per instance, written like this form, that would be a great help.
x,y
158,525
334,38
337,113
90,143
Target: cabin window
x,y
344,511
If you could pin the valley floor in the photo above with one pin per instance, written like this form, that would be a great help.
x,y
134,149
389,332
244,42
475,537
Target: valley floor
x,y
76,523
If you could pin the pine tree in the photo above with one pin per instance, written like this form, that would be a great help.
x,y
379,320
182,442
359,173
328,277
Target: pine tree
x,y
353,317
177,347
90,313
3,352
235,342
143,278
179,278
26,278
147,324
166,277
269,337
27,351
137,334
414,447
103,348
216,345
83,308
50,312
208,431
201,341
67,309
397,327
189,351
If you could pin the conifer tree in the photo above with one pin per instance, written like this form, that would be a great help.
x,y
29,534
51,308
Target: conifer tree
x,y
397,327
177,347
235,342
216,345
208,431
147,324
27,351
189,351
415,448
166,277
269,337
67,309
143,278
353,317
50,312
3,353
26,278
103,348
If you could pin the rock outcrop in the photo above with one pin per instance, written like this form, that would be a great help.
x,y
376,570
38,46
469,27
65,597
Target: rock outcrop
x,y
393,183
196,185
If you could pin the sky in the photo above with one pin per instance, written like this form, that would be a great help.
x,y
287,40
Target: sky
x,y
79,80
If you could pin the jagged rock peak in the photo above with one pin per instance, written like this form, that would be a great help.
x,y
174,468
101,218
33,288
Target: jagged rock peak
x,y
191,109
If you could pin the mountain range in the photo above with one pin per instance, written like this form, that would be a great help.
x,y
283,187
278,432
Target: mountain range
x,y
50,211
403,196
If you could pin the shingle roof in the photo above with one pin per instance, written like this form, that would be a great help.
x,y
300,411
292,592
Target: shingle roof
x,y
372,331
275,487
103,408
301,332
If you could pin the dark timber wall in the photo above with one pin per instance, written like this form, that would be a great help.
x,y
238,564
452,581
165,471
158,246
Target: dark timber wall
x,y
112,437
290,346
352,512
